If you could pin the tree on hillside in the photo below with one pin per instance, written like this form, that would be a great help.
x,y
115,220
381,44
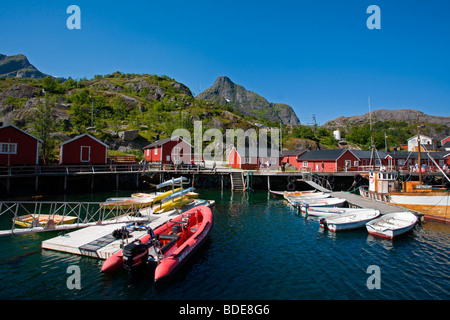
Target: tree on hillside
x,y
42,125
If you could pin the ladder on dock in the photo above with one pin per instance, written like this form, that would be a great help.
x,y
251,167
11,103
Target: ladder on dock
x,y
237,181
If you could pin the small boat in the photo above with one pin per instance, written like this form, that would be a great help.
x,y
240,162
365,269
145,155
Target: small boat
x,y
327,212
164,250
146,195
327,202
309,196
42,220
391,225
349,221
291,193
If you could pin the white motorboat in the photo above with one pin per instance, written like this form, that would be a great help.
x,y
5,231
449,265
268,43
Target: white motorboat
x,y
348,221
327,212
326,202
391,225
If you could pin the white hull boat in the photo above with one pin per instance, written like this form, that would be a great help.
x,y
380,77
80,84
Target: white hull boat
x,y
309,196
327,202
292,193
391,225
328,212
349,221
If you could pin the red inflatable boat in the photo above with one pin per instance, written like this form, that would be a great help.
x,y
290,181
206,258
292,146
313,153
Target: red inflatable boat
x,y
166,248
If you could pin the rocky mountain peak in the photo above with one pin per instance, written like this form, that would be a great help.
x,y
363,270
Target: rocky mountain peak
x,y
18,66
226,92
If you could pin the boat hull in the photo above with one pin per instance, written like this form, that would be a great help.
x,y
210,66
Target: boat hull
x,y
349,221
175,257
392,225
433,205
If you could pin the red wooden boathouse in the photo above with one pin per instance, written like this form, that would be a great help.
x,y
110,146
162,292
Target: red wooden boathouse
x,y
83,149
167,151
18,147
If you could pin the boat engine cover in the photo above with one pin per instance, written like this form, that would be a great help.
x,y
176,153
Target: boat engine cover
x,y
134,255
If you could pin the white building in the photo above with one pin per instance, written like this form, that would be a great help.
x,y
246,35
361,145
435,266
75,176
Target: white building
x,y
424,141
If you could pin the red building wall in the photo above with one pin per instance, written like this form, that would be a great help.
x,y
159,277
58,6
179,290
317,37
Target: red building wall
x,y
164,152
70,152
27,147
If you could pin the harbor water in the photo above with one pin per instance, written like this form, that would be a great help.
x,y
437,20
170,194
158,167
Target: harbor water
x,y
259,249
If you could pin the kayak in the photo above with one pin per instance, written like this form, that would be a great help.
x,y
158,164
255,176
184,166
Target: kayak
x,y
32,220
164,250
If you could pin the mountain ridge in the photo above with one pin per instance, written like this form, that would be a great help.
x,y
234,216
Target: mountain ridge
x,y
18,66
226,92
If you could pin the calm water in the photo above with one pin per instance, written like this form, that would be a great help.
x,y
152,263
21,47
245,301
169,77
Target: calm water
x,y
259,249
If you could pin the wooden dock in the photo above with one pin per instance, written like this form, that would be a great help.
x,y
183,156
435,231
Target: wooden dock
x,y
356,201
98,241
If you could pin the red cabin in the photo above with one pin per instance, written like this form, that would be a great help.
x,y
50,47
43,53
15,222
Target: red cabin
x,y
168,151
18,147
84,149
252,158
330,160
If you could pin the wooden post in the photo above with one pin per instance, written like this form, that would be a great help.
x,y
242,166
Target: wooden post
x,y
268,182
117,181
65,183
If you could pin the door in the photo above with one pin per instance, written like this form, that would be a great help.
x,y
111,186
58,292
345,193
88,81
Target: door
x,y
85,153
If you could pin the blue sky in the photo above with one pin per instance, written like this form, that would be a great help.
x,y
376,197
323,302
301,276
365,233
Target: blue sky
x,y
317,56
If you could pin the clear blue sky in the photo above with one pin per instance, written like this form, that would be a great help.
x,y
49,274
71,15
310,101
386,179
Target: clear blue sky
x,y
317,56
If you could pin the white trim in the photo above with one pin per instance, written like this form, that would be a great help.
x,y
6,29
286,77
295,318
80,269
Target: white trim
x,y
89,154
9,144
10,125
83,135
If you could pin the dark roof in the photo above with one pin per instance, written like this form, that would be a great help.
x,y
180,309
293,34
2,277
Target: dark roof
x,y
363,154
414,155
160,142
329,154
288,153
446,144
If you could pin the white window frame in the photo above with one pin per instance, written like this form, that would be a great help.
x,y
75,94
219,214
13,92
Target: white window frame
x,y
305,164
11,148
156,151
89,154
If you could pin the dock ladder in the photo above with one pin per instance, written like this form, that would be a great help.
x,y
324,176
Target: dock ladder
x,y
237,181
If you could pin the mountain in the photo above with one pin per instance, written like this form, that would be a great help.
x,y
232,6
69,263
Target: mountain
x,y
238,99
18,66
409,115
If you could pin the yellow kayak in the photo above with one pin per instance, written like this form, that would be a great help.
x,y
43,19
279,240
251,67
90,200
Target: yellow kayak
x,y
165,194
42,220
176,203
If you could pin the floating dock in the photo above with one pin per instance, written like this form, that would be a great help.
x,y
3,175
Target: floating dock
x,y
98,241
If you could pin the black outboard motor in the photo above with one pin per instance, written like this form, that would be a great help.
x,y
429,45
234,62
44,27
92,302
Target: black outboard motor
x,y
323,222
135,255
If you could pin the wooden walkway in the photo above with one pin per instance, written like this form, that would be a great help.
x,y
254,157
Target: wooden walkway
x,y
357,201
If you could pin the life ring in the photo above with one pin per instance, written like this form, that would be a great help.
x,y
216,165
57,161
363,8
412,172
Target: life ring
x,y
358,178
291,186
291,179
331,179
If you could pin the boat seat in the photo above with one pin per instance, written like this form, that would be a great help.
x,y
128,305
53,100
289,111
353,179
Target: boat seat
x,y
173,239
